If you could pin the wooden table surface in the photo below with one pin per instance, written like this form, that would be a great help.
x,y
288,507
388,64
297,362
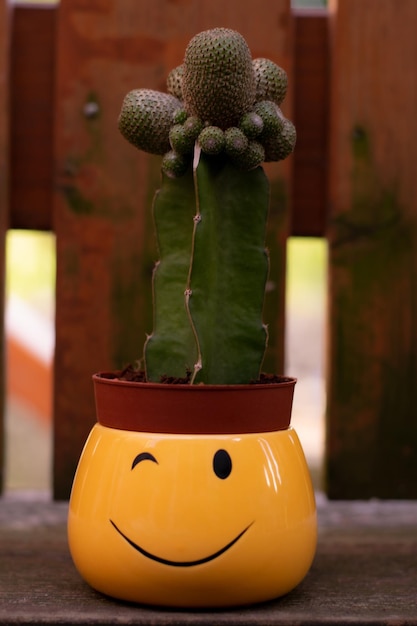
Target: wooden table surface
x,y
365,572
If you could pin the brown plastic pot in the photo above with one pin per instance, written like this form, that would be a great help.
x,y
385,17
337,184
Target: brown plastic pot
x,y
193,409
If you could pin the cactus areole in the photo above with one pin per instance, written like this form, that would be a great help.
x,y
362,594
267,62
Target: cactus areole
x,y
218,122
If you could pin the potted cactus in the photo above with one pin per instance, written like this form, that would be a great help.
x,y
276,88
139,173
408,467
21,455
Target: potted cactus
x,y
192,489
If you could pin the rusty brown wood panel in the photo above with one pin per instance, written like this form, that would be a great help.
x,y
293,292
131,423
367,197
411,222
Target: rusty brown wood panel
x,y
104,187
311,117
32,39
31,86
372,370
4,207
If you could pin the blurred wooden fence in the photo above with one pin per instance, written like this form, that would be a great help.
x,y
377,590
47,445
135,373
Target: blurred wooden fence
x,y
64,70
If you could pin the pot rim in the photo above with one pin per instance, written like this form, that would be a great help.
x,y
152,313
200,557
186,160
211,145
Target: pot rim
x,y
112,379
192,409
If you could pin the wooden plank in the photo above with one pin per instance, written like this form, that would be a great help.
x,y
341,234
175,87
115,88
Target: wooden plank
x,y
31,116
104,187
364,573
372,404
311,118
32,71
4,207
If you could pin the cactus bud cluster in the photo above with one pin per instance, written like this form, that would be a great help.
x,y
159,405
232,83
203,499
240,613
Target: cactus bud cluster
x,y
220,98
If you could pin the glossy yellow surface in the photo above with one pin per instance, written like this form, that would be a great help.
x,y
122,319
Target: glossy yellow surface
x,y
192,521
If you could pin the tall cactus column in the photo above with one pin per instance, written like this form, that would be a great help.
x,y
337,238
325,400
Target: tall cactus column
x,y
171,349
228,271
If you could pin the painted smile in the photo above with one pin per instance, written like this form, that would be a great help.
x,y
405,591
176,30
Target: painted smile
x,y
159,559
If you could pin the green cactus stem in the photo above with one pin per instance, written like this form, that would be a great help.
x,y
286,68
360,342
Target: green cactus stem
x,y
228,272
209,282
171,350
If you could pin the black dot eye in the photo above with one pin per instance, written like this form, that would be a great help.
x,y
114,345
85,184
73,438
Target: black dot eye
x,y
222,464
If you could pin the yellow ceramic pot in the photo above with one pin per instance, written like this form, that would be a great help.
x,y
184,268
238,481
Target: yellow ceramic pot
x,y
192,520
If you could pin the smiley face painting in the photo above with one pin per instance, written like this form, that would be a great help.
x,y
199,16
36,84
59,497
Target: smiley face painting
x,y
172,519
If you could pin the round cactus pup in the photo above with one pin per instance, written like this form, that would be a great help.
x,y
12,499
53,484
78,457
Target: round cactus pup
x,y
253,156
181,141
236,141
211,140
174,81
174,165
271,118
193,126
281,145
271,80
218,83
252,125
146,118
